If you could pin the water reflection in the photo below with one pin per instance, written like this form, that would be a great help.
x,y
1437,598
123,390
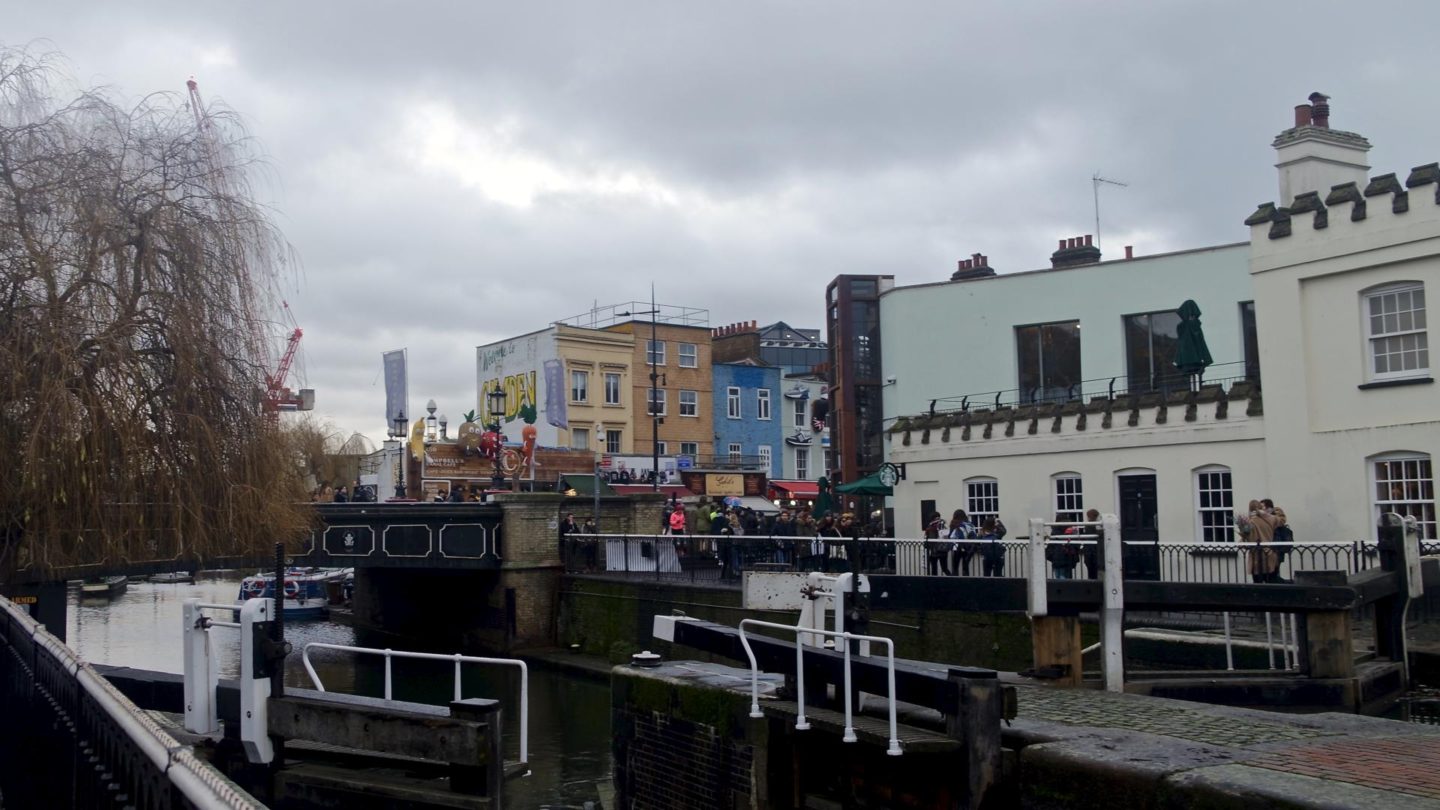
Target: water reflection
x,y
569,717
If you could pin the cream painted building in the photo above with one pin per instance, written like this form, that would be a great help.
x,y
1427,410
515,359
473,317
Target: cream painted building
x,y
1348,422
578,380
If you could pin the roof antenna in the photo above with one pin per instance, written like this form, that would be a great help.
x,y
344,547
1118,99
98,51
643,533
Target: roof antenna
x,y
1095,181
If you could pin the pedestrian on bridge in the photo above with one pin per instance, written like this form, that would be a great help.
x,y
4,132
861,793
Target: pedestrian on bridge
x,y
992,553
937,553
1258,527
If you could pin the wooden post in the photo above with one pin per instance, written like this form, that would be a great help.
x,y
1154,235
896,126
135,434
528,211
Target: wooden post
x,y
977,723
1055,641
1329,644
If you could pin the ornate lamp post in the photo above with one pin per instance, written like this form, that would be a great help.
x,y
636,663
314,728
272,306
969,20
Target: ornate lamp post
x,y
399,424
495,404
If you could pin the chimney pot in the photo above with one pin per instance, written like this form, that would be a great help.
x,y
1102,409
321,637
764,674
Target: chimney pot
x,y
1302,115
1087,239
1062,244
1320,110
984,261
1129,251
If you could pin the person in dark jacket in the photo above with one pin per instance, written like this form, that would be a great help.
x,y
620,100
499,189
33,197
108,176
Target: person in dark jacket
x,y
992,553
937,553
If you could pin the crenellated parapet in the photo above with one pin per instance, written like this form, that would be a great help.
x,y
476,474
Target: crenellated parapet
x,y
1379,190
1175,411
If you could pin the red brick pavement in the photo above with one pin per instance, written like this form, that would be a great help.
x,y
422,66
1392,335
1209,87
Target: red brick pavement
x,y
1404,764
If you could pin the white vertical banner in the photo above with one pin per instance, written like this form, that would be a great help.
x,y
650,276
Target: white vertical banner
x,y
397,390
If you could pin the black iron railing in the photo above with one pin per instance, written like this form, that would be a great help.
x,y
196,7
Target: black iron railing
x,y
73,741
721,559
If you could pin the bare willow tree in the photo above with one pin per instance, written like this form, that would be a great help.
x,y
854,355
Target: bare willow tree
x,y
136,274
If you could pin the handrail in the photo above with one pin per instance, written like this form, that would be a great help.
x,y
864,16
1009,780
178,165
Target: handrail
x,y
457,658
800,722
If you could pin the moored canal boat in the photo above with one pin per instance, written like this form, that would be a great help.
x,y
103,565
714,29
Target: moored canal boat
x,y
304,589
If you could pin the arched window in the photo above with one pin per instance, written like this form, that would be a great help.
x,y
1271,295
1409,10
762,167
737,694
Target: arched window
x,y
1214,504
1402,483
1395,331
1069,496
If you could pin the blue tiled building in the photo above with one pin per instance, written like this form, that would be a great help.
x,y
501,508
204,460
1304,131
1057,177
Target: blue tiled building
x,y
748,418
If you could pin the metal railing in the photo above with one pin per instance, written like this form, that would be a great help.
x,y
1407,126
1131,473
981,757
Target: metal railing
x,y
845,638
1223,374
458,659
723,558
84,744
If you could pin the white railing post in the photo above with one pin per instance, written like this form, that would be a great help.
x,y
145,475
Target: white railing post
x,y
254,692
1112,610
201,677
1229,652
801,723
849,735
1038,602
457,676
1269,639
387,674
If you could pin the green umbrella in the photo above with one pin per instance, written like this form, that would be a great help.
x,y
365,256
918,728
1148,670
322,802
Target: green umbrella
x,y
824,505
869,485
1191,353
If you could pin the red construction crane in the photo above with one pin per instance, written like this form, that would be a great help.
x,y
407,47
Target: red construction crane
x,y
277,396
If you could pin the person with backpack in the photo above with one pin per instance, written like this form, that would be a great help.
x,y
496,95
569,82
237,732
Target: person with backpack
x,y
1257,526
992,553
1284,537
962,552
1064,555
937,553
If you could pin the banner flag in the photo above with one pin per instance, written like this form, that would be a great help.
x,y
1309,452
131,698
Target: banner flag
x,y
397,392
555,395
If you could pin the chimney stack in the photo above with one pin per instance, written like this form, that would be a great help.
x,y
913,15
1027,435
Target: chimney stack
x,y
1075,251
977,266
1313,157
1129,252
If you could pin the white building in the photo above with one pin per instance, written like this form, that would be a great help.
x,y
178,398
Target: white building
x,y
1328,300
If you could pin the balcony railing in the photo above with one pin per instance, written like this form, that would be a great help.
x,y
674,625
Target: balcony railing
x,y
1119,386
726,461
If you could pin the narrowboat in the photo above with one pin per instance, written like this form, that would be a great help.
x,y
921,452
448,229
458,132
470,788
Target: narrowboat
x,y
304,589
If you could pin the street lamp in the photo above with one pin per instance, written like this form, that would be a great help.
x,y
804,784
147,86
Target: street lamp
x,y
495,404
655,418
399,423
430,421
444,421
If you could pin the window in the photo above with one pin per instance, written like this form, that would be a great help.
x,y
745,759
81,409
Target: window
x,y
764,451
1249,341
1048,356
689,403
732,402
1395,324
1214,505
982,499
580,439
689,355
735,453
579,386
1069,503
802,463
1403,484
762,404
662,448
655,401
612,441
612,388
654,352
691,449
798,419
1151,339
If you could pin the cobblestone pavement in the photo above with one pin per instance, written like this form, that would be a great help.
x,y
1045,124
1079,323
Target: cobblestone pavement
x,y
1405,764
1097,709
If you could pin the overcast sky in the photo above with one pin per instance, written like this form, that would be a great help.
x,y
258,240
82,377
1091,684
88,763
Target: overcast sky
x,y
453,174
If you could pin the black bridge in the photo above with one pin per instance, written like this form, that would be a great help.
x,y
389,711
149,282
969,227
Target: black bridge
x,y
405,535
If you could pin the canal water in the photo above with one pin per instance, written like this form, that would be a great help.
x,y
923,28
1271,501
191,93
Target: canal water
x,y
569,716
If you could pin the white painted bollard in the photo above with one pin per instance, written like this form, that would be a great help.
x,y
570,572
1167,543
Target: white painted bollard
x,y
201,676
1038,600
1112,607
254,691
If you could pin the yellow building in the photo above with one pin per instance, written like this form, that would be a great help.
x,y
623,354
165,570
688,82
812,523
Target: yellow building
x,y
681,356
600,397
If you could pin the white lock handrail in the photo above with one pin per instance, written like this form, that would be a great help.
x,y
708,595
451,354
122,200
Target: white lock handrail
x,y
800,722
457,658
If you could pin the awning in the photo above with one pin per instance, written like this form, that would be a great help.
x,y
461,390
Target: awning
x,y
804,490
668,490
584,484
760,505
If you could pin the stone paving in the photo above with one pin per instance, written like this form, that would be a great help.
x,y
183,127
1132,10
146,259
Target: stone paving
x,y
1405,764
1185,721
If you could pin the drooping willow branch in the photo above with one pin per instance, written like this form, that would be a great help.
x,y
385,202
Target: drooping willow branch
x,y
136,271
